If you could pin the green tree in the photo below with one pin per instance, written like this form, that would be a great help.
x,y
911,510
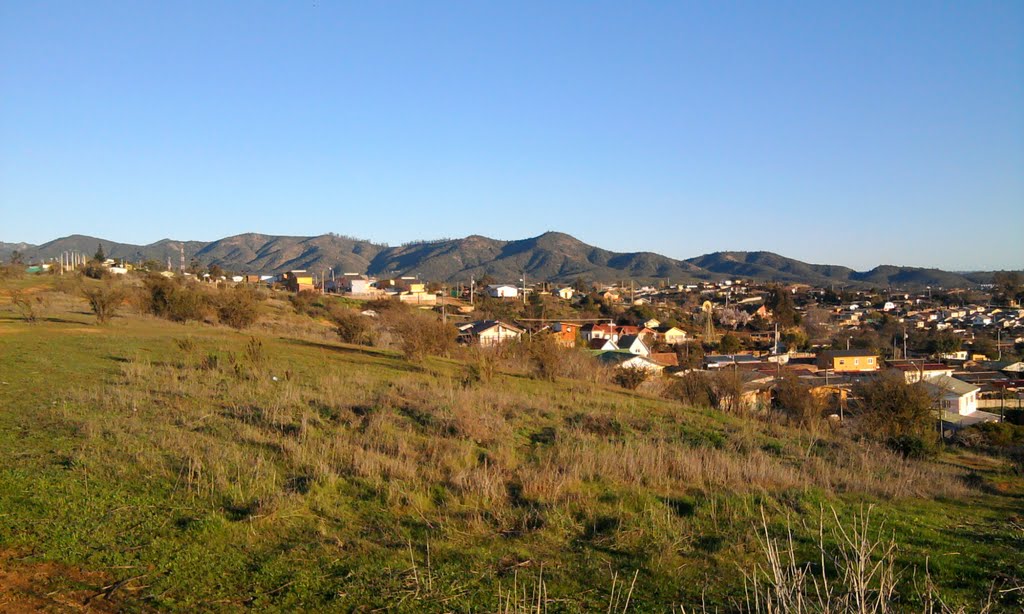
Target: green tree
x,y
100,255
944,343
897,413
1007,285
729,344
781,304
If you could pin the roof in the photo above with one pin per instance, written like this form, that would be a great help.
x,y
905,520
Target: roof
x,y
922,367
481,326
730,358
668,359
617,357
628,340
848,353
944,383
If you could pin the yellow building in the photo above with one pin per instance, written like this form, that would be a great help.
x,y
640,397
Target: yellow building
x,y
848,361
298,280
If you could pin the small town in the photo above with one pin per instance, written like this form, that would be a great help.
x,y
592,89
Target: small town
x,y
962,343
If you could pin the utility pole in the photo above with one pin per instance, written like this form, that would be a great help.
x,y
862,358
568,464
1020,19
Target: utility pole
x,y
472,287
524,286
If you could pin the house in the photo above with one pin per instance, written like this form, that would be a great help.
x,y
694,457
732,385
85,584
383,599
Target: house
x,y
360,286
488,333
602,345
953,395
920,371
297,280
716,361
502,291
599,331
565,333
847,361
670,334
626,360
652,323
565,293
633,344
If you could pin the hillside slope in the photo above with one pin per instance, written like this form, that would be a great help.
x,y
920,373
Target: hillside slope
x,y
203,469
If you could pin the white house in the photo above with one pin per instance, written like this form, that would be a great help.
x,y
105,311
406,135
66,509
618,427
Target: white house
x,y
634,345
488,333
953,395
565,293
625,360
502,291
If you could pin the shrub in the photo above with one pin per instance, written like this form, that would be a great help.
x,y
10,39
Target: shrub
x,y
544,356
482,365
95,270
727,390
307,302
630,378
422,334
12,271
238,307
104,299
892,408
798,403
30,307
693,389
176,301
909,446
352,327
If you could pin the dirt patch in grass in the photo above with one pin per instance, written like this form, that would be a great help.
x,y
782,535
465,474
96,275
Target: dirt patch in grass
x,y
27,586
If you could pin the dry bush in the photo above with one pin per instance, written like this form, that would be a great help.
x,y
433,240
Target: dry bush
x,y
545,357
630,378
796,401
353,327
421,334
95,270
237,307
104,299
30,306
864,581
12,271
693,389
727,390
177,300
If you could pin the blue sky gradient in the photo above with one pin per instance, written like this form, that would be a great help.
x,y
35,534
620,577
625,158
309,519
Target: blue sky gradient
x,y
849,133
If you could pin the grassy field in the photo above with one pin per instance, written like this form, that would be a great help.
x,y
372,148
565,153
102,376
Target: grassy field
x,y
154,465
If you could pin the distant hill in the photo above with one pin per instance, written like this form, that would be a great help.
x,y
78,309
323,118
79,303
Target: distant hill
x,y
551,256
769,266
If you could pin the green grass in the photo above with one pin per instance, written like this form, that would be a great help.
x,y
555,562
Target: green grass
x,y
357,480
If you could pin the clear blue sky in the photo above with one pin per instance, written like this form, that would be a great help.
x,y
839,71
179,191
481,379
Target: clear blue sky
x,y
850,133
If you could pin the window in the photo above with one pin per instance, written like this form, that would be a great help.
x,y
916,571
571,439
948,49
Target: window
x,y
871,360
856,362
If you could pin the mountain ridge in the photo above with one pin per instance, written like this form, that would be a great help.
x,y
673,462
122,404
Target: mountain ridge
x,y
554,256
